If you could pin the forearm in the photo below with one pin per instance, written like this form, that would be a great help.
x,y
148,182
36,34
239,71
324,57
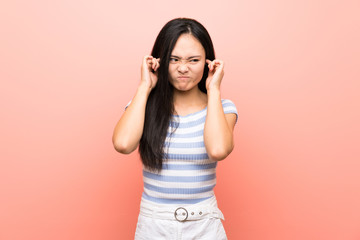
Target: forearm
x,y
129,129
218,137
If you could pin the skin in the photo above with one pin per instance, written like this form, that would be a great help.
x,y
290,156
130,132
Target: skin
x,y
185,72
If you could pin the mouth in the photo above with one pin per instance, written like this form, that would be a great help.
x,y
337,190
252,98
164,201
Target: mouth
x,y
183,77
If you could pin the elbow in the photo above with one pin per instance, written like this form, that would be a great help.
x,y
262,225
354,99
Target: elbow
x,y
123,147
220,153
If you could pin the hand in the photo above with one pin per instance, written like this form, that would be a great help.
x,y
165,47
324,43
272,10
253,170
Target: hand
x,y
149,73
216,73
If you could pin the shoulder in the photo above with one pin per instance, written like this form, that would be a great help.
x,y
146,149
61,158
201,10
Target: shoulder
x,y
227,102
229,107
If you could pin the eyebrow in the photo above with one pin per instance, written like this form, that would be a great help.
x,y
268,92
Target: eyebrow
x,y
196,56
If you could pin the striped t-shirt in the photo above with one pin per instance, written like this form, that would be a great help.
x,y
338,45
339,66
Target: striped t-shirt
x,y
188,175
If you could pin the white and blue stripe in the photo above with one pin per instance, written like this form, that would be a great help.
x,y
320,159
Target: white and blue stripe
x,y
188,175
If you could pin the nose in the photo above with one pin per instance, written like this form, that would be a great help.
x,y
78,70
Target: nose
x,y
182,67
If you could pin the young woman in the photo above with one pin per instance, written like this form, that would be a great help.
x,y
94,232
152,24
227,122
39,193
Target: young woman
x,y
182,128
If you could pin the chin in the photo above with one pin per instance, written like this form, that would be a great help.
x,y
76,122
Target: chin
x,y
182,89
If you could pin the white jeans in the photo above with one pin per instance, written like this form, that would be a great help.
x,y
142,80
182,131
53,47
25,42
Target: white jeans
x,y
201,221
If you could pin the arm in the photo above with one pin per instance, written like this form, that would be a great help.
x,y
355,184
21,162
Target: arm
x,y
129,129
218,129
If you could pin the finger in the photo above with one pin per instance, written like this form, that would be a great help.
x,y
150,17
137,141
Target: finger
x,y
154,63
157,65
216,65
148,60
212,66
218,62
209,62
148,57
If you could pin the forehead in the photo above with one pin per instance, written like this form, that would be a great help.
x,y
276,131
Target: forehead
x,y
187,45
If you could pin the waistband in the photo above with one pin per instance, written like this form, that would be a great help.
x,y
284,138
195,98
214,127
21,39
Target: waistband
x,y
201,210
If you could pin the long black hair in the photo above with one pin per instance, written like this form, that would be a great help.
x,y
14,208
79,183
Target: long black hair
x,y
160,106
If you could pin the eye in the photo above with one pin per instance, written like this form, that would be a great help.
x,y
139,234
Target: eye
x,y
194,60
173,60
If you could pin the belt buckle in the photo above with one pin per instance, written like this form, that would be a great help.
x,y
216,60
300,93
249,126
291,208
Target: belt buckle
x,y
181,216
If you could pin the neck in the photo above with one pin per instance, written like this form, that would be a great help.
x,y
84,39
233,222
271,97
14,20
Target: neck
x,y
189,101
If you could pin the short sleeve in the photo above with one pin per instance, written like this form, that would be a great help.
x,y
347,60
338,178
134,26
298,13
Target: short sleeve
x,y
127,105
229,107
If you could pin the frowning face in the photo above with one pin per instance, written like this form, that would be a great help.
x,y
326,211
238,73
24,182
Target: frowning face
x,y
187,61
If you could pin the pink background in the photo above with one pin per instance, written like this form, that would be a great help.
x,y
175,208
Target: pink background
x,y
68,68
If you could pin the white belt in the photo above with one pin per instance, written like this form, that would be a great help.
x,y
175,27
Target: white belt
x,y
181,214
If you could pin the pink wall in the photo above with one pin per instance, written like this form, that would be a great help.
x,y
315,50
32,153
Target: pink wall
x,y
68,68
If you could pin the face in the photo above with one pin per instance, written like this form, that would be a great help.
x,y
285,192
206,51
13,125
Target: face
x,y
187,61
